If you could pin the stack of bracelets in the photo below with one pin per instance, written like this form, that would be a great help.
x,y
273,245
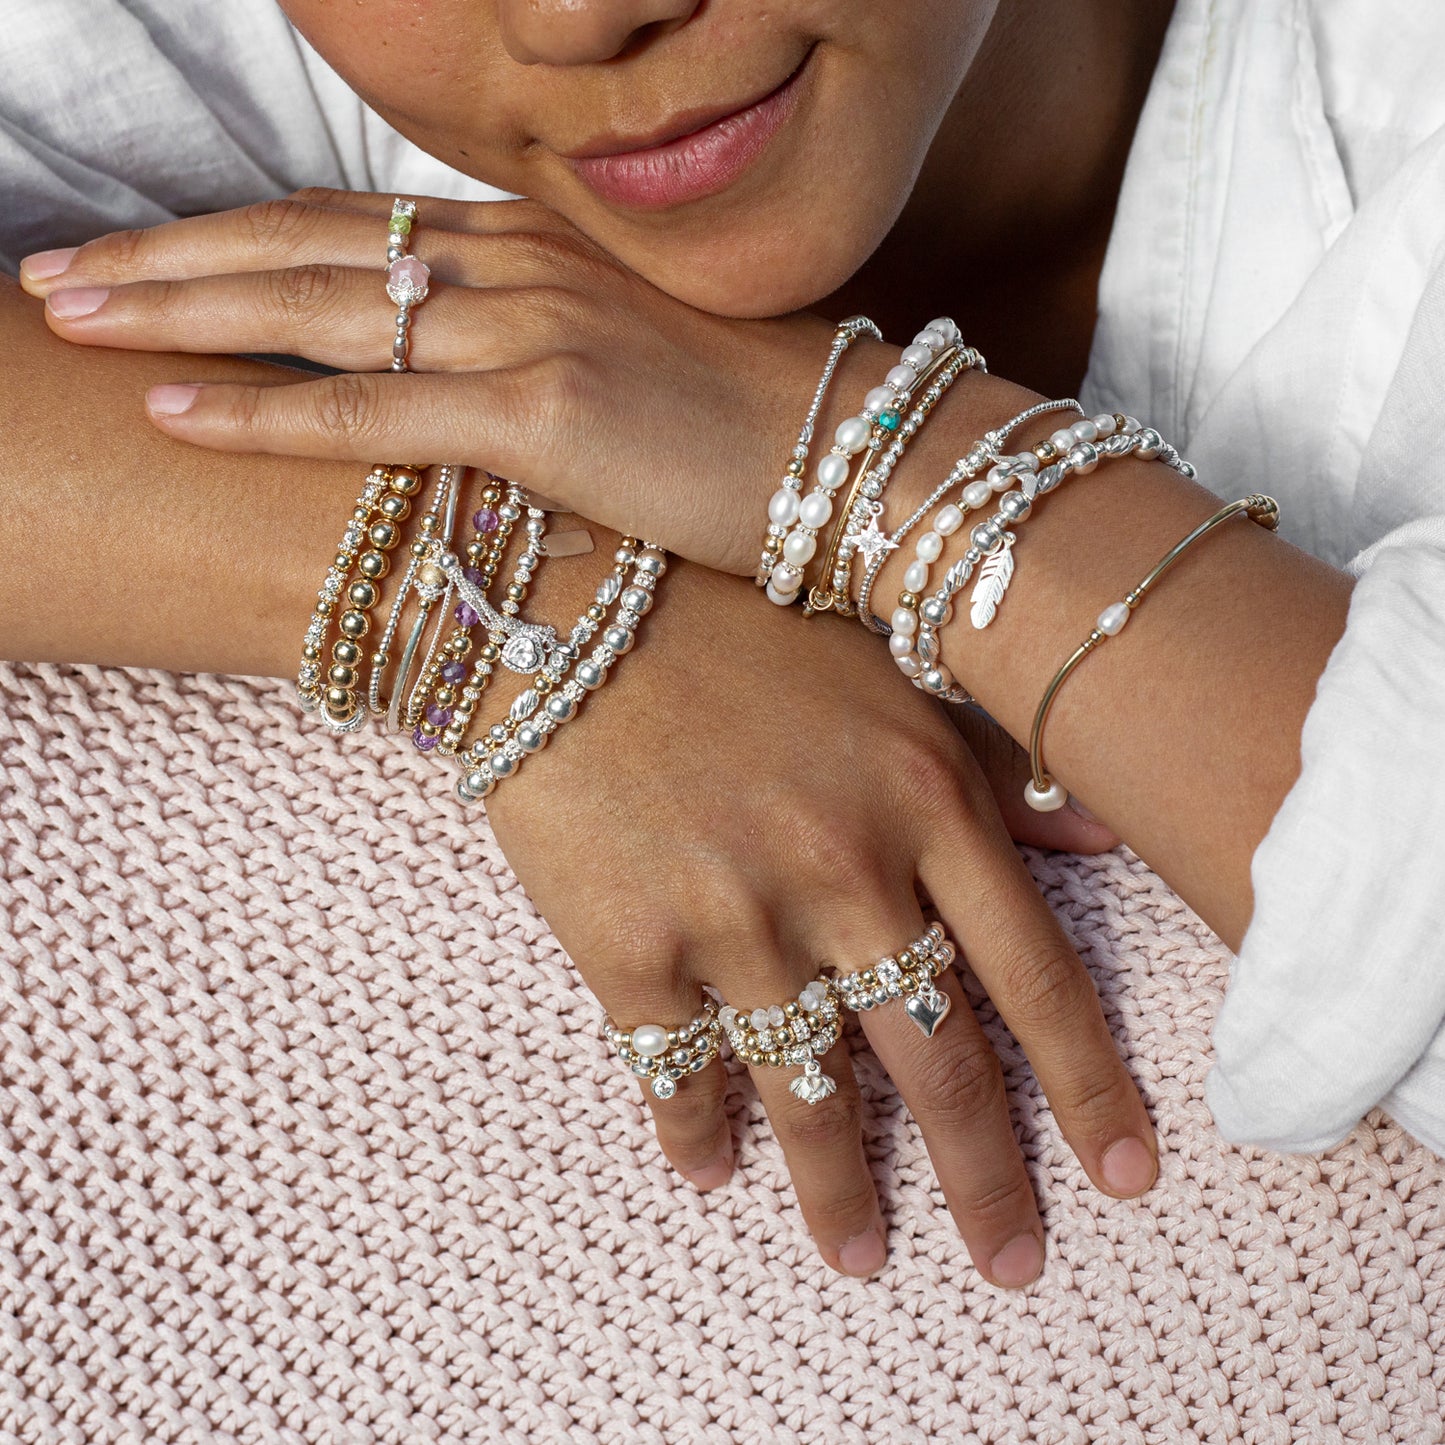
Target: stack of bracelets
x,y
427,671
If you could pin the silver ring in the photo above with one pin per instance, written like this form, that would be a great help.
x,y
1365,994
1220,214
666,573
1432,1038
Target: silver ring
x,y
408,280
909,974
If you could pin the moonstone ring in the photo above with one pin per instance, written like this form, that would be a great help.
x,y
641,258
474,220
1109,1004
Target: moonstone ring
x,y
407,279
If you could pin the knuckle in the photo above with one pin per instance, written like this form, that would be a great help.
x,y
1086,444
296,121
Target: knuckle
x,y
827,1128
304,292
275,224
550,314
843,1208
348,405
999,1208
119,252
841,855
1044,986
1099,1099
939,784
322,196
962,1086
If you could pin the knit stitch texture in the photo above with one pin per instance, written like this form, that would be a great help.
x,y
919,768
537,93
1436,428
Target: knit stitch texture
x,y
306,1135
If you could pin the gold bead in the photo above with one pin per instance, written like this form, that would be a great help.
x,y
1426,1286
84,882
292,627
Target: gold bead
x,y
795,468
405,480
490,653
383,535
373,565
490,495
419,548
342,676
394,508
427,729
354,624
340,703
773,546
908,600
445,697
325,609
542,684
1045,452
360,514
362,593
310,653
596,612
475,552
461,645
429,574
516,592
381,659
791,1010
343,562
346,651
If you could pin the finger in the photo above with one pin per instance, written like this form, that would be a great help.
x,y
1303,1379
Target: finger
x,y
335,229
991,906
687,1105
823,1146
1006,766
953,1086
339,316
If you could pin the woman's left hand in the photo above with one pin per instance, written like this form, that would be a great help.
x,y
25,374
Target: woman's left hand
x,y
544,360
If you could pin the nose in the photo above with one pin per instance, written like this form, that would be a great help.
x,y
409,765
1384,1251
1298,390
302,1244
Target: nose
x,y
581,32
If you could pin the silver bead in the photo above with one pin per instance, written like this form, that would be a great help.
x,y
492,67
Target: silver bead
x,y
529,739
507,512
937,679
475,786
499,733
936,612
1015,506
559,707
986,534
653,564
501,765
624,556
1084,457
638,600
590,675
619,639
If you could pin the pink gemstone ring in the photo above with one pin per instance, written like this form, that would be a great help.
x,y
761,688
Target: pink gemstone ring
x,y
408,280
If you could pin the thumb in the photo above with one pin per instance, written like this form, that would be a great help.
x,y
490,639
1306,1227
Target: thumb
x,y
1006,766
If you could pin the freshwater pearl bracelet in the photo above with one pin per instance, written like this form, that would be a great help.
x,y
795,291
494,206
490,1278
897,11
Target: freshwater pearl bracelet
x,y
789,1034
1045,794
367,529
857,528
441,514
783,506
862,434
555,694
662,1055
978,456
908,974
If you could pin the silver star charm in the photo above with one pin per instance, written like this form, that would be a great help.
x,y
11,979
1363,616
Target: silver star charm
x,y
871,541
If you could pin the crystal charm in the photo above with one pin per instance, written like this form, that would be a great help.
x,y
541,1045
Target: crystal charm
x,y
408,281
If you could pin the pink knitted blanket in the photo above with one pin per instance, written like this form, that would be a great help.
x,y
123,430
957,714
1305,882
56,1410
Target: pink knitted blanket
x,y
306,1135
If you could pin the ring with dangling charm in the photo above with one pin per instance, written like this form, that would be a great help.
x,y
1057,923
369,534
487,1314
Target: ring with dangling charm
x,y
664,1056
908,974
785,1035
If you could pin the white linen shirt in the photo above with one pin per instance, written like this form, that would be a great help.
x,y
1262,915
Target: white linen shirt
x,y
1273,300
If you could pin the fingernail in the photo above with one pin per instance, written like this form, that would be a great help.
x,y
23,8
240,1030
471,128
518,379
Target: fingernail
x,y
69,305
712,1176
171,400
1018,1263
1129,1168
863,1254
45,264
1075,806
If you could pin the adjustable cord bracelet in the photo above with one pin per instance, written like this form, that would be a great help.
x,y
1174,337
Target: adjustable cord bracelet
x,y
1043,793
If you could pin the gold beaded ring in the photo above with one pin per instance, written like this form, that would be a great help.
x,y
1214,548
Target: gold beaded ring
x,y
664,1056
789,1034
1045,794
909,974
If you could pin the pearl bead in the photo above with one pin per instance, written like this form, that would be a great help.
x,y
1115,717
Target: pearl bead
x,y
1105,424
788,579
815,511
1027,460
900,644
920,358
783,508
948,521
998,478
934,340
905,620
879,399
1085,431
929,547
937,612
560,707
1063,439
649,1040
783,599
852,436
1131,425
1112,619
799,548
976,494
901,378
945,326
915,579
832,471
909,666
1049,801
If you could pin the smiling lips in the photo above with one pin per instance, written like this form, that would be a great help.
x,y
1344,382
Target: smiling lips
x,y
691,166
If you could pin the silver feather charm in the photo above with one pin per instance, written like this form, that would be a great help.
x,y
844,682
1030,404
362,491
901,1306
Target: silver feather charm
x,y
994,575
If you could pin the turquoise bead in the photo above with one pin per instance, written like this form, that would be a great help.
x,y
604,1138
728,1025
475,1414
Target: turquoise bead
x,y
888,420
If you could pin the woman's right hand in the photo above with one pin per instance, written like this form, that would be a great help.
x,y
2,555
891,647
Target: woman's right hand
x,y
752,800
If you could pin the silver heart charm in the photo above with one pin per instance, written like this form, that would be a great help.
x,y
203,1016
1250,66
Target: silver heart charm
x,y
928,1010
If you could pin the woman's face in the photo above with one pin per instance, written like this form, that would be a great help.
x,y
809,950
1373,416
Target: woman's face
x,y
745,155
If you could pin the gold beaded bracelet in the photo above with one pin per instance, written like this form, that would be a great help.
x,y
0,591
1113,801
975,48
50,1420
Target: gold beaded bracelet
x,y
1043,793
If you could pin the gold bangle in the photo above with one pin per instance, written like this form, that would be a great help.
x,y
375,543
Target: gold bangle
x,y
1044,794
